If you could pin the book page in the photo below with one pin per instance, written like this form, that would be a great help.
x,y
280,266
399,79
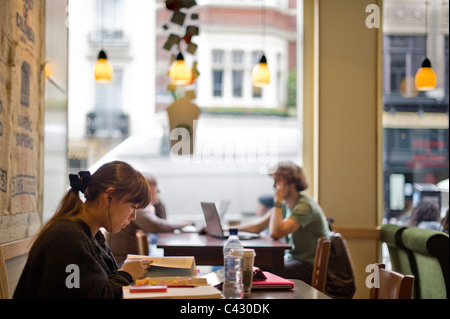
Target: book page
x,y
169,262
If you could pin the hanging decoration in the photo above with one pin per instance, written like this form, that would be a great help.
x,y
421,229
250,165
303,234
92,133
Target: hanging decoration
x,y
103,71
425,76
182,113
180,73
261,72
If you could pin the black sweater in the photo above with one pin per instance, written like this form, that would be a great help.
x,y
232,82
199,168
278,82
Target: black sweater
x,y
67,246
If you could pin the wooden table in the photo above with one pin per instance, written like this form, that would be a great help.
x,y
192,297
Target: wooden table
x,y
208,250
301,290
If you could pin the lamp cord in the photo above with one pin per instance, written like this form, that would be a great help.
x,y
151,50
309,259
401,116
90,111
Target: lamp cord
x,y
426,27
263,18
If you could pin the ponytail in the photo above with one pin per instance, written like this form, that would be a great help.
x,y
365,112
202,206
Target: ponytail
x,y
71,205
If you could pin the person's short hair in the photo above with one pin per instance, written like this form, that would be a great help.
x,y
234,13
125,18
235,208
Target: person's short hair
x,y
293,174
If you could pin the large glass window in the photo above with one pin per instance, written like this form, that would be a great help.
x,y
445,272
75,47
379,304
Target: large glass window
x,y
237,131
415,123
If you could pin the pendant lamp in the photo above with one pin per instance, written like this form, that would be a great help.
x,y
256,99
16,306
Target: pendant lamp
x,y
103,70
180,73
261,73
425,76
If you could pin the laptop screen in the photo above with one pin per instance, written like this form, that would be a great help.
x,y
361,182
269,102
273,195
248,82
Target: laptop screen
x,y
213,225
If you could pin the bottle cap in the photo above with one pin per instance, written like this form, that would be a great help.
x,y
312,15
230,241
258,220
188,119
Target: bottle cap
x,y
233,231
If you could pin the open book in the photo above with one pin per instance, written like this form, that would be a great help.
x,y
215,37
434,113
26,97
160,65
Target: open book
x,y
169,270
168,266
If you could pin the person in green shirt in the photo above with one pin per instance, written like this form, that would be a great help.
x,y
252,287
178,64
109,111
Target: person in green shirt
x,y
295,217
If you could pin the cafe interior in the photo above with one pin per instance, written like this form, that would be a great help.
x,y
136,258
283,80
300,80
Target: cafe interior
x,y
64,65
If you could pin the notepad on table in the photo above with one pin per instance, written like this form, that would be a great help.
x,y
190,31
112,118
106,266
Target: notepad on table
x,y
272,281
200,292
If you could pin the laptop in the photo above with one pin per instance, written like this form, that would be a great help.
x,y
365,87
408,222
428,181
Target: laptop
x,y
214,226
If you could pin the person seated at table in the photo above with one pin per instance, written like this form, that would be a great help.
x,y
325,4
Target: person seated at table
x,y
148,220
160,208
70,258
295,216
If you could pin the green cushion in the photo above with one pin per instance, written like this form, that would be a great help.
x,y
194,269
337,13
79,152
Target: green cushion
x,y
388,231
416,239
430,249
400,260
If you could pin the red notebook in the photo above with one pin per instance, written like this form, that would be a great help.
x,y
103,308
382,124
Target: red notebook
x,y
272,282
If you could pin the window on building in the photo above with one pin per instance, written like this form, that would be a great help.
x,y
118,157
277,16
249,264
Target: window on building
x,y
217,82
218,60
237,60
278,80
256,91
111,19
402,56
108,106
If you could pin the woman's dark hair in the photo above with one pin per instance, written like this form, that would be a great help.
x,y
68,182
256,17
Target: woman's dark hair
x,y
424,211
293,174
127,183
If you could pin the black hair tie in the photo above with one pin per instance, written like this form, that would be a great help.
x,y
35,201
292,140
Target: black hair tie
x,y
81,181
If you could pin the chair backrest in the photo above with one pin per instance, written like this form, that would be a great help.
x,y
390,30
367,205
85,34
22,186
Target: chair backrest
x,y
430,250
4,285
142,242
392,285
320,269
401,259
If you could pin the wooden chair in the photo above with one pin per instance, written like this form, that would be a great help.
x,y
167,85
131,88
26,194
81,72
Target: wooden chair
x,y
142,242
4,285
392,285
320,269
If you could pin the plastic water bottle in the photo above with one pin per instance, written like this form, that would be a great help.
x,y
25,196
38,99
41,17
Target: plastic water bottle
x,y
233,251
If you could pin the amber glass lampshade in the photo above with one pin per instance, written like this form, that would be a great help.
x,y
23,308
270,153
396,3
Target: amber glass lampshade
x,y
103,70
180,73
425,76
261,73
